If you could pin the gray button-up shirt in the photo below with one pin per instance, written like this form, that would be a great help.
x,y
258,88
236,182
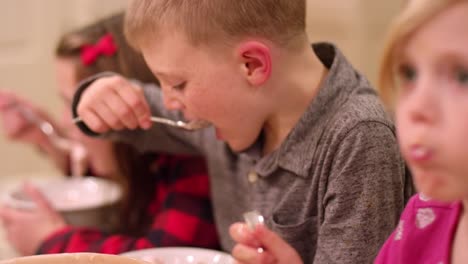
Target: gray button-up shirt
x,y
335,187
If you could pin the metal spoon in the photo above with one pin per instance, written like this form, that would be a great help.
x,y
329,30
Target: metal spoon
x,y
46,127
77,151
254,218
190,126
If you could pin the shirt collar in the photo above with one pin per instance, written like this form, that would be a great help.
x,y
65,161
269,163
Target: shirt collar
x,y
296,153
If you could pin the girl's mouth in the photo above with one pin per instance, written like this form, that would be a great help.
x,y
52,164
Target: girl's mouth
x,y
419,154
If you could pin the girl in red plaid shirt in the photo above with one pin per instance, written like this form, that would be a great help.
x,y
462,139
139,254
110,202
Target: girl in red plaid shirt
x,y
166,198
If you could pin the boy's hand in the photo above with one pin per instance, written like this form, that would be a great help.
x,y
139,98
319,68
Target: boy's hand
x,y
114,103
27,229
273,248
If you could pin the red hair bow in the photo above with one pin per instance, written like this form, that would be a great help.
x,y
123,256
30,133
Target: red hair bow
x,y
105,46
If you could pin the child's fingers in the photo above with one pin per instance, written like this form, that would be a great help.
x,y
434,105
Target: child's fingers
x,y
122,110
126,102
108,115
38,198
276,245
15,126
10,215
242,234
248,255
135,99
93,121
7,99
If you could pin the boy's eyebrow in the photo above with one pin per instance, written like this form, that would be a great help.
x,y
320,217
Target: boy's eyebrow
x,y
166,75
158,73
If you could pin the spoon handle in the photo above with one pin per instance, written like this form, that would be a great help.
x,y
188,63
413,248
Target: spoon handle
x,y
46,127
153,119
164,121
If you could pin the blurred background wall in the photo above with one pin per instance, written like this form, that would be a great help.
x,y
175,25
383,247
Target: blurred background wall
x,y
30,29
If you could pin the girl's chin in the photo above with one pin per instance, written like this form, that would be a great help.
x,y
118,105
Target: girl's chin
x,y
437,190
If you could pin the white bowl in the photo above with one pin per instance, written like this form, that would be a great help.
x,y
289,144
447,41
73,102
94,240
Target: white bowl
x,y
73,258
84,201
181,255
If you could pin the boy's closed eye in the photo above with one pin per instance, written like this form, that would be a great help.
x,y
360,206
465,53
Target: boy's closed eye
x,y
461,76
180,87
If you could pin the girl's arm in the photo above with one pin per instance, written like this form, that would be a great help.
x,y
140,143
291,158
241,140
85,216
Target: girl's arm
x,y
182,216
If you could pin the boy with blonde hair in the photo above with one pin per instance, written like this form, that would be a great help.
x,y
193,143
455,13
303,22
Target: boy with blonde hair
x,y
296,133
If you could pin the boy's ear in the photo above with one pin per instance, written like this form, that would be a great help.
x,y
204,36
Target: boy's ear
x,y
255,60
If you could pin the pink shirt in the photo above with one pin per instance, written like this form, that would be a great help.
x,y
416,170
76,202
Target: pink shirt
x,y
424,234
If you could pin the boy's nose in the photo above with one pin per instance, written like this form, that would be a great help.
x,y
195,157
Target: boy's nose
x,y
171,103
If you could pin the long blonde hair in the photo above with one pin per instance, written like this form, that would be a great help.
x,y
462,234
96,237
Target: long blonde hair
x,y
415,14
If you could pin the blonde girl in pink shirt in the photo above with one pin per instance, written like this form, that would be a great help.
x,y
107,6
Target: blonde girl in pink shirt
x,y
424,79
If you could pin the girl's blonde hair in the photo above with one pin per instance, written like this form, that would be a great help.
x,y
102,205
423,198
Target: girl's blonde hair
x,y
415,14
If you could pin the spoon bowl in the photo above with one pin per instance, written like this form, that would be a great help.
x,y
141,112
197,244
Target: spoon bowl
x,y
192,125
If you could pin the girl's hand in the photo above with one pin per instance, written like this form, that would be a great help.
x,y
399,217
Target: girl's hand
x,y
15,124
27,229
114,103
261,246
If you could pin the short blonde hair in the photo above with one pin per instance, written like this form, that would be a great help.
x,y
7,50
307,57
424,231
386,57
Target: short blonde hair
x,y
213,21
415,14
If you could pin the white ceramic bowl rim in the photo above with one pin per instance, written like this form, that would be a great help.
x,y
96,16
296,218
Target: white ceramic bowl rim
x,y
181,255
73,258
65,194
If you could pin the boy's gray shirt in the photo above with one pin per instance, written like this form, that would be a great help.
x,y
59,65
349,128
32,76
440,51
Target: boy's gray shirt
x,y
335,187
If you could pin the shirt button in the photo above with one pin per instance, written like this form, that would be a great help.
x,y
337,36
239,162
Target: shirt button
x,y
252,177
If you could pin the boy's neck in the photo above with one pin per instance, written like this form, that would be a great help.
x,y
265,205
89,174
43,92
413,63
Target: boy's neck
x,y
297,79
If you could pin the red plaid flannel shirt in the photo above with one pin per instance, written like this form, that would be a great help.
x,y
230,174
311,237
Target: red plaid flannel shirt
x,y
181,210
